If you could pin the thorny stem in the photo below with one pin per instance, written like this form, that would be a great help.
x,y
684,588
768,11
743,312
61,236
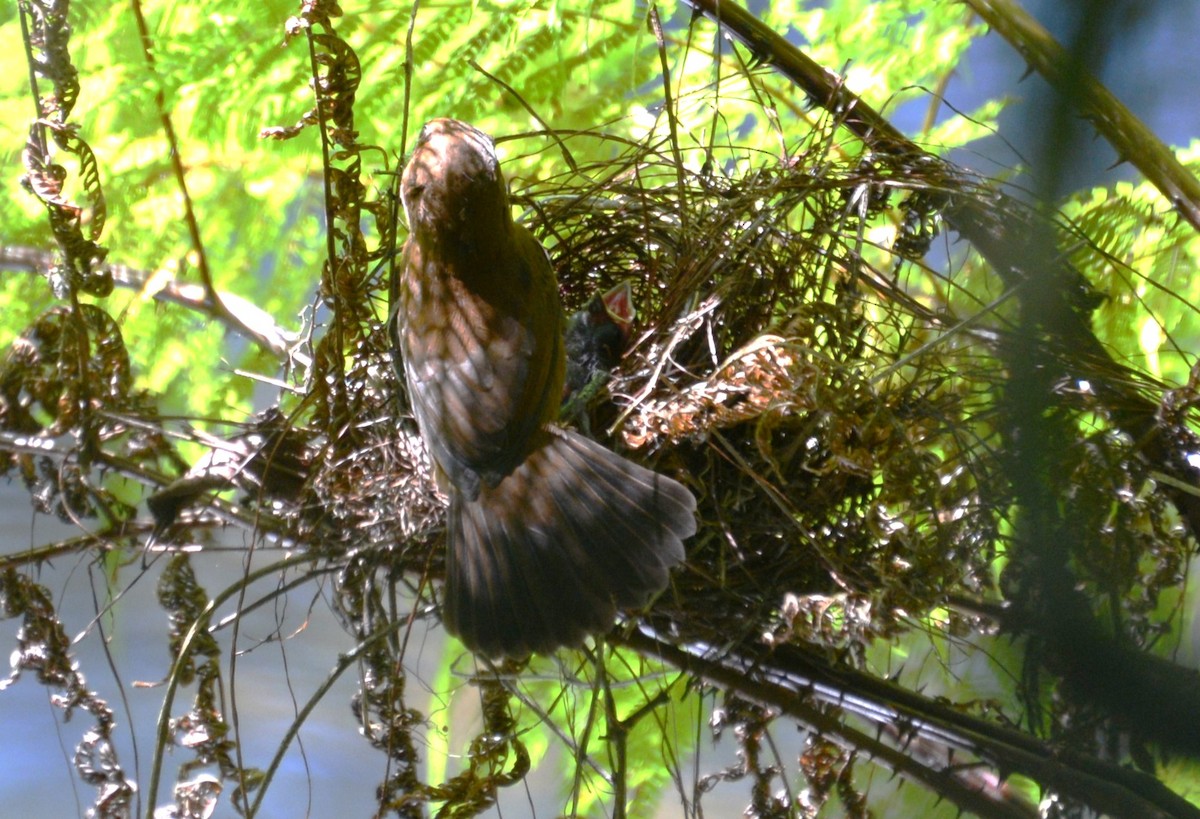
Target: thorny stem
x,y
1133,141
33,83
332,262
802,687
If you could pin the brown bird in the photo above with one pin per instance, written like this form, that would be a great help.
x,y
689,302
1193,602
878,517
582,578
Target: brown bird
x,y
548,532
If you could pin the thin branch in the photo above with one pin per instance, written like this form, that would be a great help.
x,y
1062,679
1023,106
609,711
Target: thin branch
x,y
551,132
251,322
215,303
164,116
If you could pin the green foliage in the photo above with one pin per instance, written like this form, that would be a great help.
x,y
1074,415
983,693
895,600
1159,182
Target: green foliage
x,y
628,720
890,52
1143,259
591,73
224,73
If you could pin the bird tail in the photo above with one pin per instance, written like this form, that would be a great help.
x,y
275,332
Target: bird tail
x,y
546,556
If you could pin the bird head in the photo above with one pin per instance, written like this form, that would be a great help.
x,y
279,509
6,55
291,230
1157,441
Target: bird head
x,y
452,182
597,336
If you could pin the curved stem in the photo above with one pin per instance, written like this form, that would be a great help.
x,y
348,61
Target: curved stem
x,y
163,726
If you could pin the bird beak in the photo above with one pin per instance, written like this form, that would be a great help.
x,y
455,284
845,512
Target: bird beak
x,y
618,303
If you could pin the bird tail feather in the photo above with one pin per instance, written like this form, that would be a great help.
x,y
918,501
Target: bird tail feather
x,y
546,556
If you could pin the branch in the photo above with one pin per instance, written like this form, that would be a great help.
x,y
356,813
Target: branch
x,y
1133,141
790,680
239,315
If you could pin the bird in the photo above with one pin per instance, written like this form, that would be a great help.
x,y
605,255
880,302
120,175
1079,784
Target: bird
x,y
595,340
548,533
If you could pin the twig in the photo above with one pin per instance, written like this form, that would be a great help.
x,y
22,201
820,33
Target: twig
x,y
552,133
255,324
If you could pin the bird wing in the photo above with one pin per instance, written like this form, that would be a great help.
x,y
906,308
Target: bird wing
x,y
483,357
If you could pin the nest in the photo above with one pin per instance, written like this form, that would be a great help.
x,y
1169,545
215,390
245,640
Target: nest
x,y
771,373
842,480
767,371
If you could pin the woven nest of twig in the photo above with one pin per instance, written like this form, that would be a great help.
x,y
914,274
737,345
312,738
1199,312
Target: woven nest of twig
x,y
767,371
